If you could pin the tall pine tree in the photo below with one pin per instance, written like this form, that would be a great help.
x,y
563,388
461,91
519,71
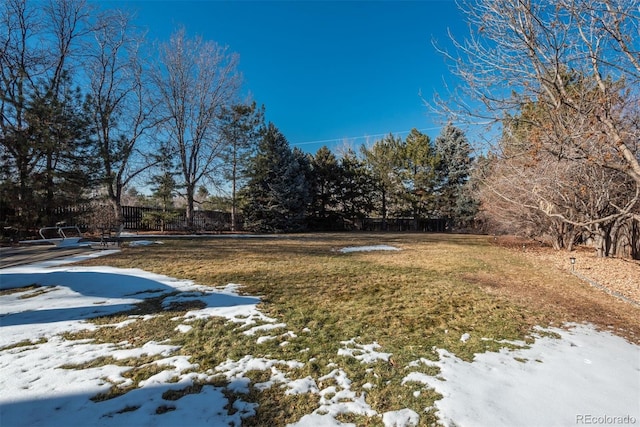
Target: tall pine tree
x,y
454,200
419,174
59,127
164,188
383,159
277,194
326,181
357,188
240,127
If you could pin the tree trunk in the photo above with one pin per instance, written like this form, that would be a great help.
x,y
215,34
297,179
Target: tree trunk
x,y
635,239
556,241
557,234
117,211
384,210
616,241
625,235
600,241
571,239
25,201
233,197
190,206
48,201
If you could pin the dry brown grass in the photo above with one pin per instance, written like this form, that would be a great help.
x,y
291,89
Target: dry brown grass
x,y
425,296
568,298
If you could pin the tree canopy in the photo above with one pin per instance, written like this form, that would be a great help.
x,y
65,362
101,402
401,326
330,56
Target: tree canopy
x,y
561,80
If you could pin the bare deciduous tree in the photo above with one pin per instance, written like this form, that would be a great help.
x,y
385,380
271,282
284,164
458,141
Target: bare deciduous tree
x,y
577,64
120,104
195,79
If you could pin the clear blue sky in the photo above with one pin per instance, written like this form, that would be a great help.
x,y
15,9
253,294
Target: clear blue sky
x,y
326,71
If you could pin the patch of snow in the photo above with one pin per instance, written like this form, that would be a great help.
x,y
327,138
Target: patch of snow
x,y
267,327
550,383
221,303
301,386
248,363
150,348
135,243
422,361
265,339
44,371
365,353
235,371
465,337
184,328
417,377
123,324
339,398
402,418
368,248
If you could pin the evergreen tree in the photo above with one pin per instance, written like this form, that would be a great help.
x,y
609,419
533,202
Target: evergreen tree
x,y
304,166
355,197
47,162
164,188
325,185
277,194
454,199
383,161
420,164
43,131
240,127
60,130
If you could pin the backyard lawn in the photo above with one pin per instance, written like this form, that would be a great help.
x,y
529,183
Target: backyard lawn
x,y
316,329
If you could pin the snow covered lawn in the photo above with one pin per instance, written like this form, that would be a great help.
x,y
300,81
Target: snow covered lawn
x,y
577,376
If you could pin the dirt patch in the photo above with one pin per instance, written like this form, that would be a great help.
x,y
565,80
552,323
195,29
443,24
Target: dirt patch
x,y
577,300
617,274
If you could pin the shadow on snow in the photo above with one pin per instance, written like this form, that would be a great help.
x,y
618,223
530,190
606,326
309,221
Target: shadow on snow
x,y
141,406
82,295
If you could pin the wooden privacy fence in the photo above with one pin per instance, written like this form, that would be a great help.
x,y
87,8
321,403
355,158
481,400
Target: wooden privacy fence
x,y
90,217
135,219
438,225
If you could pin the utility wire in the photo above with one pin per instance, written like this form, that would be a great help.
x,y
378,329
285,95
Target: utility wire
x,y
361,137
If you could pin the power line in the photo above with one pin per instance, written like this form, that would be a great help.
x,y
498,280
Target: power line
x,y
361,137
